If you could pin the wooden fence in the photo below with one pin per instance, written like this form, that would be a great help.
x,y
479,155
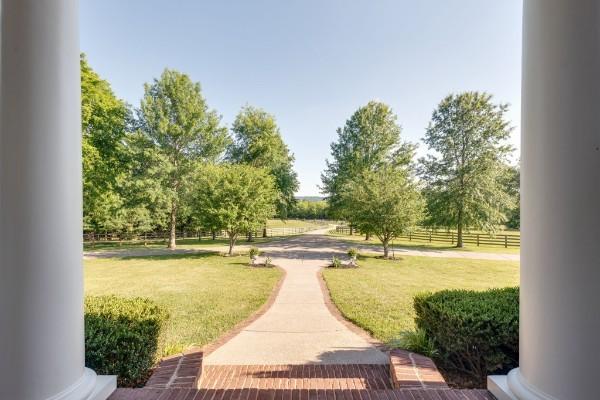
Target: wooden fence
x,y
119,237
478,239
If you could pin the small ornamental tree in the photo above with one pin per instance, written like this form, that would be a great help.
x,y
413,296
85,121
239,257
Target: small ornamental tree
x,y
235,198
385,202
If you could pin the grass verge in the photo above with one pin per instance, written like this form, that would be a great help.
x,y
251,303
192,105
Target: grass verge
x,y
205,294
378,296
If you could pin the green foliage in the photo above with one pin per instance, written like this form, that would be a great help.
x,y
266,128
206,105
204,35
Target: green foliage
x,y
512,184
352,252
177,132
233,197
104,125
476,333
336,262
384,202
417,342
464,170
122,337
258,142
254,252
305,209
369,140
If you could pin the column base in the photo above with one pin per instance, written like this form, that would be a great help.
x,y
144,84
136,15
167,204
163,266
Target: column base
x,y
514,387
105,385
89,387
498,386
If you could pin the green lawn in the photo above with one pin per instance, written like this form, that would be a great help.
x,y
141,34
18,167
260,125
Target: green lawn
x,y
422,245
378,296
189,243
205,294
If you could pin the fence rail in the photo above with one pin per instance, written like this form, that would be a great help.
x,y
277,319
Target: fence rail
x,y
478,239
117,237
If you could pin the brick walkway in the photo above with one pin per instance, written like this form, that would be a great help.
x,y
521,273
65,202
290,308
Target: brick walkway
x,y
302,382
182,371
310,376
300,394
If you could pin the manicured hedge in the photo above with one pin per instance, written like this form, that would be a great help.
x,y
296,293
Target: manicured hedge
x,y
475,333
122,337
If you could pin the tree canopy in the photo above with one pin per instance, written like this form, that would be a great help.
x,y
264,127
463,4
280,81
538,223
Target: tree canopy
x,y
104,124
143,172
305,209
385,202
179,131
234,198
369,140
258,142
512,183
463,172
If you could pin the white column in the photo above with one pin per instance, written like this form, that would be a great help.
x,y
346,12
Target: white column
x,y
560,254
41,275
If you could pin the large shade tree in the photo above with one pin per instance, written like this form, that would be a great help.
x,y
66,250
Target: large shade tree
x,y
385,202
369,140
258,143
180,133
464,170
234,198
105,121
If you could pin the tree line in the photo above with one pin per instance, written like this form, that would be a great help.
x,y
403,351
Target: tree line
x,y
374,182
171,163
307,209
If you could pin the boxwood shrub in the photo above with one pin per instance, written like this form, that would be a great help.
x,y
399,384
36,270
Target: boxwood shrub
x,y
122,337
475,333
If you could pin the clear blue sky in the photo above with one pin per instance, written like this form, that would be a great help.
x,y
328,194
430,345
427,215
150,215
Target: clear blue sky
x,y
312,63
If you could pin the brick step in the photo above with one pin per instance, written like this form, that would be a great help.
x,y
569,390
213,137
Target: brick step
x,y
411,370
308,376
300,394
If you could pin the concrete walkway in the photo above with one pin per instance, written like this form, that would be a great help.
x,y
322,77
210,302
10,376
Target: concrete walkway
x,y
298,328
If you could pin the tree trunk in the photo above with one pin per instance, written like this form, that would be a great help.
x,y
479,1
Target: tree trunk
x,y
231,243
265,232
351,230
368,236
251,236
386,249
459,228
214,235
173,227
